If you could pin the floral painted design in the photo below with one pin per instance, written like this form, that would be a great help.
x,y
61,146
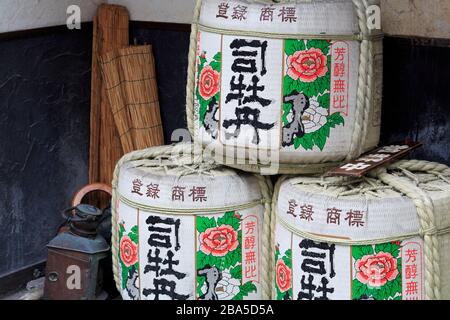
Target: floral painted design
x,y
219,258
377,272
208,84
219,241
307,65
128,257
128,251
283,274
308,80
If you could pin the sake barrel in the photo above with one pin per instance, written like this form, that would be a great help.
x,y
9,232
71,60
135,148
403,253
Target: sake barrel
x,y
285,86
187,228
383,237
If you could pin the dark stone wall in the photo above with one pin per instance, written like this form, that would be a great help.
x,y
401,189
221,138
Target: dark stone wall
x,y
44,134
44,126
44,119
416,101
170,48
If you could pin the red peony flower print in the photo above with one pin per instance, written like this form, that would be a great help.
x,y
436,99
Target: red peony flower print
x,y
128,251
283,276
219,241
208,83
376,270
307,65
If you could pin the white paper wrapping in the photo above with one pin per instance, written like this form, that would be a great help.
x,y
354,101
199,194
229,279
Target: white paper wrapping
x,y
210,250
260,85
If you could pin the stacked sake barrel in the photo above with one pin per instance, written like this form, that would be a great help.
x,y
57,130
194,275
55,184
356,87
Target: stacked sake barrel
x,y
280,87
179,233
285,86
382,237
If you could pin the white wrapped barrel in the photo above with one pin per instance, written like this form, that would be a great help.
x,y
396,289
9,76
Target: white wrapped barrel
x,y
384,237
185,229
296,84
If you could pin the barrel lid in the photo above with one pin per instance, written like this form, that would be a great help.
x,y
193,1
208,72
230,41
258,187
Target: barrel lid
x,y
184,181
362,209
336,17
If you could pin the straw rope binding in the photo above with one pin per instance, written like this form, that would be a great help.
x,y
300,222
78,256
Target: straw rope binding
x,y
429,232
368,40
192,163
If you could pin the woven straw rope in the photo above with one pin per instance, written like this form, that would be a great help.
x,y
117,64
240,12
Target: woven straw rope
x,y
425,211
166,152
364,91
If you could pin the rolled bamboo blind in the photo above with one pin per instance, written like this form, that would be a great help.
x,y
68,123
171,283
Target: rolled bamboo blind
x,y
130,81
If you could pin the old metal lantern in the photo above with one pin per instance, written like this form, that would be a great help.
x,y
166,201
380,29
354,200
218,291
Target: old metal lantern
x,y
73,265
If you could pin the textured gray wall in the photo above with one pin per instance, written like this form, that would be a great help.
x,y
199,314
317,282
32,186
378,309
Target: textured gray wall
x,y
44,127
416,96
44,134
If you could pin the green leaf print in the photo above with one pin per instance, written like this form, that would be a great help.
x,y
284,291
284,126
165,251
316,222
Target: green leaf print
x,y
323,45
218,57
204,260
230,219
231,261
121,229
318,138
236,272
318,89
386,288
287,258
360,251
134,235
232,258
290,85
335,119
306,142
215,64
202,59
244,290
358,289
205,223
324,100
292,46
392,248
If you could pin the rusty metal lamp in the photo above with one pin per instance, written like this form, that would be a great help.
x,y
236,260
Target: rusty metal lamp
x,y
73,271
